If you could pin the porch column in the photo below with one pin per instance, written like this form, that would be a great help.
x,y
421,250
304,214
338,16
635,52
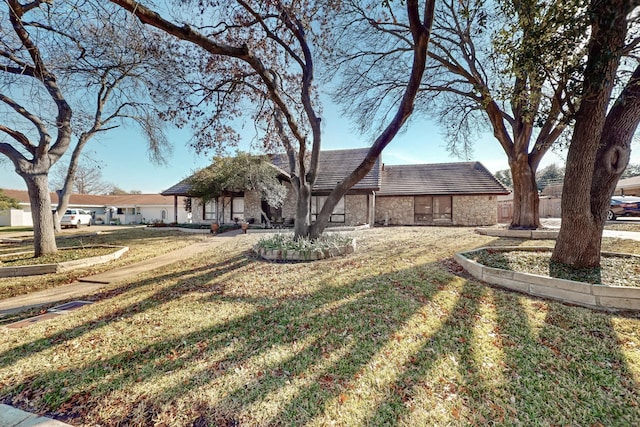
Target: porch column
x,y
175,209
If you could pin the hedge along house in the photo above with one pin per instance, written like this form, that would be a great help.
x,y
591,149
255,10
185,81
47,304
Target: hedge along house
x,y
427,194
438,194
356,207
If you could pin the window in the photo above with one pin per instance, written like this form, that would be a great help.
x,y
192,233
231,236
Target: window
x,y
120,211
237,208
338,214
164,214
442,207
209,210
428,209
423,208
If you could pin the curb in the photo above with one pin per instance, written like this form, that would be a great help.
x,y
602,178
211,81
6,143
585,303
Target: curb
x,y
14,417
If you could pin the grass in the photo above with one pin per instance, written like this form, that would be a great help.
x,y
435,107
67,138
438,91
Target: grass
x,y
143,244
386,336
7,229
613,271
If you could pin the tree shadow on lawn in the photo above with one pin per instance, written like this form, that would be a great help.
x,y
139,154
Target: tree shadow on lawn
x,y
412,347
194,276
565,360
320,320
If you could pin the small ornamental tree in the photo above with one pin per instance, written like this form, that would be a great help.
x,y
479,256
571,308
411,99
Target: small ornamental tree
x,y
243,172
7,202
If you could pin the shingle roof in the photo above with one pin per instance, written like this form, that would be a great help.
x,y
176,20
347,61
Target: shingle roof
x,y
335,165
88,200
632,182
180,189
439,178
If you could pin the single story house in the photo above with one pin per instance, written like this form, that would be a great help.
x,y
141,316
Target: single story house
x,y
462,193
120,209
628,187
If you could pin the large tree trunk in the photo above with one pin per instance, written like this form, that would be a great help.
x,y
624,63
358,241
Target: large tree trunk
x,y
579,240
43,232
526,202
303,209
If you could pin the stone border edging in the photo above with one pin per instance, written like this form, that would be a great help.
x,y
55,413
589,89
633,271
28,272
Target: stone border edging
x,y
283,255
520,234
601,297
34,270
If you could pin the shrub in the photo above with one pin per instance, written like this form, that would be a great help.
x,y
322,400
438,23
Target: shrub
x,y
286,242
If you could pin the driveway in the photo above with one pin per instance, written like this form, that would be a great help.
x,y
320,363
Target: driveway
x,y
630,235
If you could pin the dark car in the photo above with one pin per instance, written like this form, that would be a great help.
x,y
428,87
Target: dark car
x,y
623,206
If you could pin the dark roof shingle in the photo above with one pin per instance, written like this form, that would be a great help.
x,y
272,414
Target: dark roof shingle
x,y
88,200
439,179
335,165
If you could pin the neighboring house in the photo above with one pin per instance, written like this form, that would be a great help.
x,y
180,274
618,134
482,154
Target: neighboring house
x,y
628,187
122,209
451,193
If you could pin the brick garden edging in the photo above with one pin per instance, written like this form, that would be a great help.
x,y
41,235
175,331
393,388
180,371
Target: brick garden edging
x,y
34,270
601,297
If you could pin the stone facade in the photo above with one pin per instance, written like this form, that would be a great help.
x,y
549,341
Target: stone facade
x,y
393,210
475,210
289,206
225,216
356,209
252,206
467,211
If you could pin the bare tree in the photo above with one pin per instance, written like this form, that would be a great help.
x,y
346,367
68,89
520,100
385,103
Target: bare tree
x,y
263,53
110,78
601,141
87,179
506,66
32,152
49,51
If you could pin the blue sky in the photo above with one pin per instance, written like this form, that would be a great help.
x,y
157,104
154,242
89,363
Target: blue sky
x,y
123,153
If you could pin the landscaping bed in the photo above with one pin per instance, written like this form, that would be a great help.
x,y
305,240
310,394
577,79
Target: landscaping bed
x,y
283,247
615,269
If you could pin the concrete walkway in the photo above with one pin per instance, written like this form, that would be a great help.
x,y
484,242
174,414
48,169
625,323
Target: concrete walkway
x,y
92,284
13,417
554,223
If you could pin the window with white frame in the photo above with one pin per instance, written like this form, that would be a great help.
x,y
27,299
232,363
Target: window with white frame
x,y
237,208
338,214
209,210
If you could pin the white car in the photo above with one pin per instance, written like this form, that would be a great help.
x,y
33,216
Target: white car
x,y
75,218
